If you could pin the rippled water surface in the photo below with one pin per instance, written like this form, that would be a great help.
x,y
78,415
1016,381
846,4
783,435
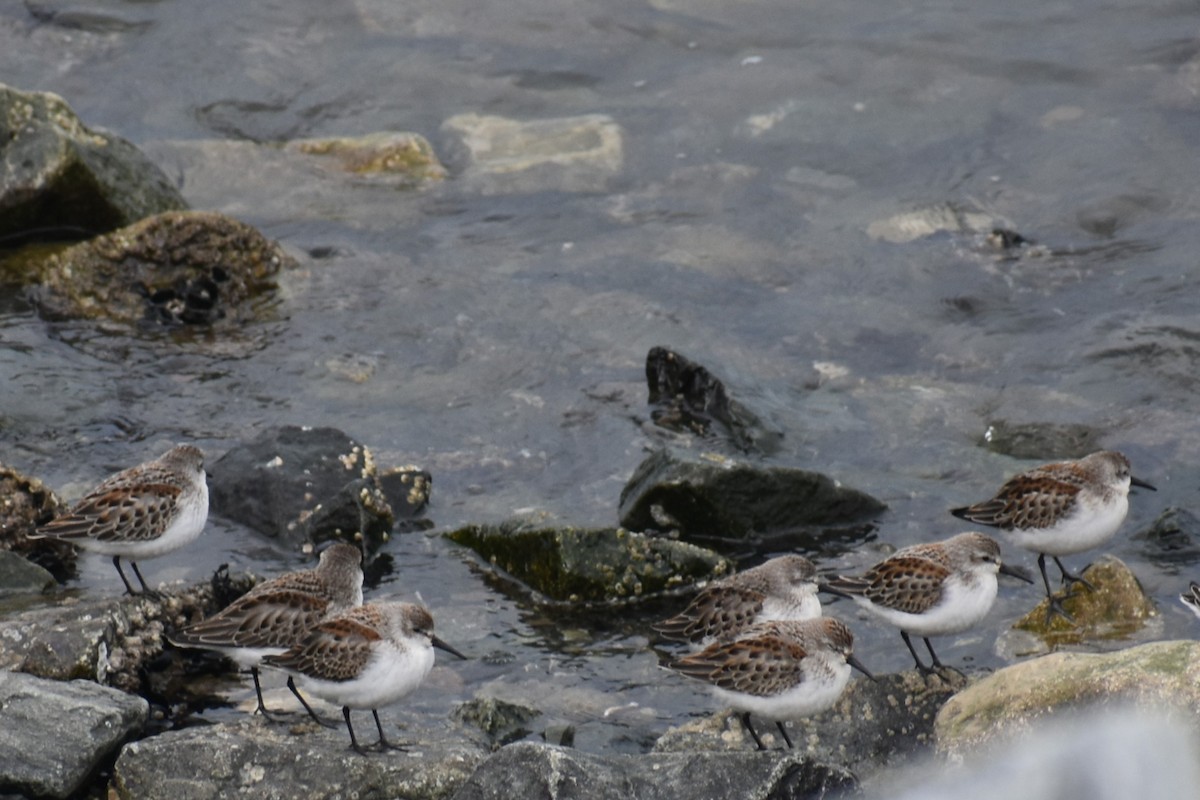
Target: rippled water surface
x,y
770,153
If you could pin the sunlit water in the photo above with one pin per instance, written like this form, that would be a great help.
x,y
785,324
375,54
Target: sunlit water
x,y
504,335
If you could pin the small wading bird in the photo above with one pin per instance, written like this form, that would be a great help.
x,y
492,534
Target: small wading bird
x,y
1060,509
366,658
143,512
930,589
279,613
779,670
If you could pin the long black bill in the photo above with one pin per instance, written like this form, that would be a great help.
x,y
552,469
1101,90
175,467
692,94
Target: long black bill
x,y
854,662
1015,572
438,643
1140,483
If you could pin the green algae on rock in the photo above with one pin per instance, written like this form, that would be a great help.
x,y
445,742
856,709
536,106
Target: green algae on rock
x,y
1164,676
175,268
1116,608
590,566
55,172
405,160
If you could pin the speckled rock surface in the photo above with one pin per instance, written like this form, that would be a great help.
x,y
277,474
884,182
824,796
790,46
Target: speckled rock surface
x,y
25,504
402,160
1117,608
54,734
1160,676
255,759
178,268
533,770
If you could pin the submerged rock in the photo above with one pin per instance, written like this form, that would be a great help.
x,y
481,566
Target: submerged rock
x,y
303,485
1041,441
253,758
55,735
501,721
590,566
712,497
18,575
183,268
55,172
496,155
1173,539
1117,608
687,397
403,160
1160,676
536,770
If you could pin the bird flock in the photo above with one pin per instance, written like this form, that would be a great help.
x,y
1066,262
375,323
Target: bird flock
x,y
758,637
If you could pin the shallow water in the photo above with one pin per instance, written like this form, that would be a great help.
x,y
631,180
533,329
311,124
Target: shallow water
x,y
502,337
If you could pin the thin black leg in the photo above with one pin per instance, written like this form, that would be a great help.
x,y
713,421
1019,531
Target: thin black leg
x,y
1071,578
353,741
1054,604
783,732
924,670
146,590
384,744
937,664
291,684
128,588
262,708
745,718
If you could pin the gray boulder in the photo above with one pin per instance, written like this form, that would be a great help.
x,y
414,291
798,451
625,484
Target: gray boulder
x,y
55,735
303,485
710,497
18,575
56,172
527,769
250,757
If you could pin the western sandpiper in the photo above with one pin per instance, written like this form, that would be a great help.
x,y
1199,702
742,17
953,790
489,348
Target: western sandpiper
x,y
278,613
1059,509
779,670
367,657
930,589
142,512
782,588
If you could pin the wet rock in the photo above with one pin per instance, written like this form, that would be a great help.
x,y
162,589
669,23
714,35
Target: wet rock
x,y
56,173
716,498
1173,539
912,225
182,268
303,485
403,160
25,505
252,758
537,770
590,566
1117,608
1041,441
871,726
407,489
107,640
18,575
56,734
687,397
96,16
1017,699
501,721
495,155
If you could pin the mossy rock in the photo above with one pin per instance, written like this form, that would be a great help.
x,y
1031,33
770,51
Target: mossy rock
x,y
590,566
1117,608
1164,676
176,268
402,160
55,172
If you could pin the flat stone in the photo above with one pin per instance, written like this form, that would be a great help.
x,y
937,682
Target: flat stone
x,y
253,758
402,160
18,575
1160,676
496,155
527,769
56,734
